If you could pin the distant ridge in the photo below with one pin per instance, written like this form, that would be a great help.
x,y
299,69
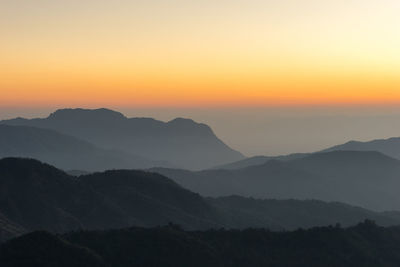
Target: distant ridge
x,y
182,142
65,152
86,114
389,147
363,178
258,160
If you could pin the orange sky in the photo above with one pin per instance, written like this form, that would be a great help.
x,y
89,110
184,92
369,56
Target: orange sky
x,y
159,53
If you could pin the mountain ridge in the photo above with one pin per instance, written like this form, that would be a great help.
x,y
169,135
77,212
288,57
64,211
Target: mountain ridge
x,y
389,146
362,178
365,244
64,151
38,196
183,142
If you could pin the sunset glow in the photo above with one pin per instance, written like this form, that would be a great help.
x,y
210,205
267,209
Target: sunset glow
x,y
176,53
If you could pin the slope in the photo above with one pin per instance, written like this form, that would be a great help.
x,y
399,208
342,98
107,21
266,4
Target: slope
x,y
182,142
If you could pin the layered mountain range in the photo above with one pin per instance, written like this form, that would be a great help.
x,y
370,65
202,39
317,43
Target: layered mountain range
x,y
363,178
100,190
181,142
389,147
37,196
66,152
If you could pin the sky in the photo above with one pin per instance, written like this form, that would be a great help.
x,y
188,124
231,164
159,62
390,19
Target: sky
x,y
227,63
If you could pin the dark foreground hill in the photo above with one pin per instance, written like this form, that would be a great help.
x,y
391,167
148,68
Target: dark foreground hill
x,y
182,142
9,229
367,179
42,249
65,152
365,245
37,196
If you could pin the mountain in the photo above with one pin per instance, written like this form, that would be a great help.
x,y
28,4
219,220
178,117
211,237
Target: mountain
x,y
151,199
389,147
77,172
42,249
65,151
273,179
183,142
9,229
37,196
366,179
291,214
365,244
257,160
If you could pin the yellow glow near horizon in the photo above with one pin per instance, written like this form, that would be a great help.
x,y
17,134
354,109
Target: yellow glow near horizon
x,y
210,53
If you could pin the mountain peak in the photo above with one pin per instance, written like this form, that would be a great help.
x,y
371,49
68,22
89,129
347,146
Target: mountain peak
x,y
189,124
101,113
26,166
182,120
183,142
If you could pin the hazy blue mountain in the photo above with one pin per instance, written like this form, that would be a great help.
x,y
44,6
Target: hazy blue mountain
x,y
257,160
365,244
182,142
65,151
366,179
389,147
274,179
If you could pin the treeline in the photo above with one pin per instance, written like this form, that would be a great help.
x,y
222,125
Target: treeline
x,y
364,245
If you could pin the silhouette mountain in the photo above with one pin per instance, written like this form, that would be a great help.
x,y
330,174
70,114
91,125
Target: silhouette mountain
x,y
182,142
150,199
9,229
366,179
389,147
65,151
37,196
365,244
46,250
